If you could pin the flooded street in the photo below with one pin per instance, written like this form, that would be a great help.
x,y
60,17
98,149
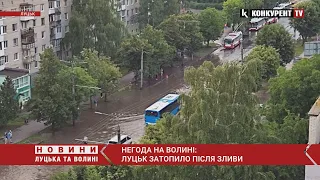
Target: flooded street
x,y
123,108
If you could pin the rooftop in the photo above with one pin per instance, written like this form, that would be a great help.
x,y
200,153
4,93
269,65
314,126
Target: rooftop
x,y
13,73
315,110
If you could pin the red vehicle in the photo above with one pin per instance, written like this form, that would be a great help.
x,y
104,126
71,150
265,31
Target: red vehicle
x,y
257,23
232,40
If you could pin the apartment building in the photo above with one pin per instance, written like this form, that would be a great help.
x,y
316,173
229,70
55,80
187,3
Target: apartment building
x,y
129,10
22,39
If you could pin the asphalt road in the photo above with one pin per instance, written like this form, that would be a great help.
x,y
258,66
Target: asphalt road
x,y
124,109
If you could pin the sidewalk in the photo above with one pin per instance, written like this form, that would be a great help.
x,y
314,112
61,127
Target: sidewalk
x,y
25,131
33,127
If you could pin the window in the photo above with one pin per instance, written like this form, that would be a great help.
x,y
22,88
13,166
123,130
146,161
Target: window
x,y
65,3
152,113
42,22
16,56
33,8
132,11
5,44
136,10
127,12
42,34
66,28
136,1
43,47
27,66
51,18
127,2
14,27
24,24
170,108
15,42
3,60
58,3
1,46
4,29
35,50
128,22
34,22
131,1
65,16
59,29
42,7
36,64
51,4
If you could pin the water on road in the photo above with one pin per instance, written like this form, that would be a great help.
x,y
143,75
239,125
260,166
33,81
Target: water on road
x,y
124,109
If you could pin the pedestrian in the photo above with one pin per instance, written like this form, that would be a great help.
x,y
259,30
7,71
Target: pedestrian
x,y
5,137
10,136
95,103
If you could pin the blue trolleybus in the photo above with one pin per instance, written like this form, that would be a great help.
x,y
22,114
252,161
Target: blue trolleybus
x,y
169,104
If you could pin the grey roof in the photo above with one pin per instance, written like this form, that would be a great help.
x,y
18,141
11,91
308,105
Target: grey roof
x,y
315,110
13,73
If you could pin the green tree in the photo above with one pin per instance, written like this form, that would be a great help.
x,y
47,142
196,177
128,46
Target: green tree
x,y
309,25
103,70
276,36
231,10
69,76
94,25
9,105
294,91
214,106
51,99
270,60
157,53
153,12
211,24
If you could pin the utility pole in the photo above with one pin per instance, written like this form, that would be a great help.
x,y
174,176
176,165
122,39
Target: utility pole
x,y
241,44
119,135
73,90
141,73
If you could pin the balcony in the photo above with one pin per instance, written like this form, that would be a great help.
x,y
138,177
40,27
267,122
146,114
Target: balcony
x,y
27,46
26,7
28,59
27,36
57,10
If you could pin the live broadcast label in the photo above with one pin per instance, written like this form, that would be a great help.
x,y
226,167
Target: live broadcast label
x,y
166,154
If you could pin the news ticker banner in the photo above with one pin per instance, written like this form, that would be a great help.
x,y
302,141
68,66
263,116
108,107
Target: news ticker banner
x,y
269,13
19,13
167,154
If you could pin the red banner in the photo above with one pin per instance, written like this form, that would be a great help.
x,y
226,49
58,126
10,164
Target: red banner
x,y
20,13
169,154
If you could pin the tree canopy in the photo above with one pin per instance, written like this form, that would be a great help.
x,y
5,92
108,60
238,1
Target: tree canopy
x,y
220,108
53,99
211,24
102,69
309,25
270,60
9,105
182,31
153,12
94,25
275,35
156,51
295,90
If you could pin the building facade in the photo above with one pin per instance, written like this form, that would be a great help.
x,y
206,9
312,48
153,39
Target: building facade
x,y
21,80
22,39
312,171
128,10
